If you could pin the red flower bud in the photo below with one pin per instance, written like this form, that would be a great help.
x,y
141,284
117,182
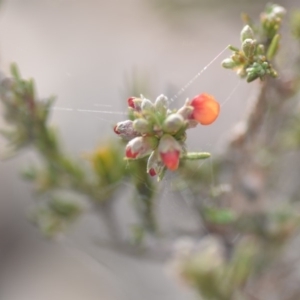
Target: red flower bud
x,y
116,129
134,103
206,109
171,159
140,147
170,150
130,102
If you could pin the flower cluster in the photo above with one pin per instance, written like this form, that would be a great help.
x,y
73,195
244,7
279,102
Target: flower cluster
x,y
156,131
258,46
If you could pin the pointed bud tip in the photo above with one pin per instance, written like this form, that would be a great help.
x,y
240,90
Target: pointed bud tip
x,y
247,33
131,102
147,105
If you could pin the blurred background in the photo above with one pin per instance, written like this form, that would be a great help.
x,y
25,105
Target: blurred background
x,y
93,55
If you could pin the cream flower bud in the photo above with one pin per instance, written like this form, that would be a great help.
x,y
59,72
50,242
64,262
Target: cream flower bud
x,y
147,106
186,111
228,63
140,147
247,33
161,104
249,47
173,123
141,126
278,11
125,129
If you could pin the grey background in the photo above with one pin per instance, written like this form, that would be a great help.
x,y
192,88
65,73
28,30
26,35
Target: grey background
x,y
85,52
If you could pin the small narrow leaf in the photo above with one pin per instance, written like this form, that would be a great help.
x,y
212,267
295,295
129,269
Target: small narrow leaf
x,y
273,48
197,155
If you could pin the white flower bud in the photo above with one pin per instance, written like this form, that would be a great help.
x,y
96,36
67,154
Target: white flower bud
x,y
161,104
147,106
247,33
249,47
173,123
141,126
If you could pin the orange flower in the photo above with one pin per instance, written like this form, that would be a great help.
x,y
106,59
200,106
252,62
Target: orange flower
x,y
206,109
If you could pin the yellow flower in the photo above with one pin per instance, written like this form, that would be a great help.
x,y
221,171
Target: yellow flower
x,y
107,161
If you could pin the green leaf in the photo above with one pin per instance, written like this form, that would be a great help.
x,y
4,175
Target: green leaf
x,y
64,209
15,71
219,216
196,155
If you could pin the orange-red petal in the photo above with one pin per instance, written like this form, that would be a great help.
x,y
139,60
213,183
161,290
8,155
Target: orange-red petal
x,y
171,159
206,109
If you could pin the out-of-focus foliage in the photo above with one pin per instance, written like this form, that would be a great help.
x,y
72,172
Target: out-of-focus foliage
x,y
216,274
243,249
55,215
291,137
28,120
259,45
295,24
